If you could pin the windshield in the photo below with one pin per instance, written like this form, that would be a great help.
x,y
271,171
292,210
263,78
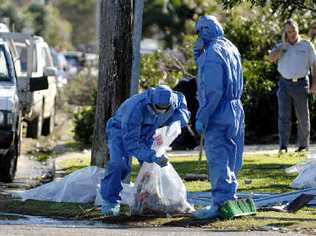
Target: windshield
x,y
22,50
73,60
4,72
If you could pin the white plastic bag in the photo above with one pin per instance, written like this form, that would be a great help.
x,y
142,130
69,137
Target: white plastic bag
x,y
79,186
168,134
161,190
307,173
127,195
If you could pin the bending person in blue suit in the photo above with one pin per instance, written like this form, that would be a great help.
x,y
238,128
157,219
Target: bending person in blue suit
x,y
130,133
220,117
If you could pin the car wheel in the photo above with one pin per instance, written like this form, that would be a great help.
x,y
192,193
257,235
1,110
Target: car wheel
x,y
34,127
8,164
48,124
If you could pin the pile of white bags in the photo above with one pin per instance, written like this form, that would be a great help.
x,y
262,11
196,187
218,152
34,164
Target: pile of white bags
x,y
79,186
306,170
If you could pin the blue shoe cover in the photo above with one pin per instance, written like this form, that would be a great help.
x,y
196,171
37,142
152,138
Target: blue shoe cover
x,y
209,212
110,209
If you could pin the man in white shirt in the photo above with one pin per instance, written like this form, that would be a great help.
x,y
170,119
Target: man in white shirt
x,y
295,58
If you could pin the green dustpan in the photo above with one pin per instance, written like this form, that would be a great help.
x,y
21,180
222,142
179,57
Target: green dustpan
x,y
236,208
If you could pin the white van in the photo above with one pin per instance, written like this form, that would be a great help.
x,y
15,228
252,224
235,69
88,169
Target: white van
x,y
41,115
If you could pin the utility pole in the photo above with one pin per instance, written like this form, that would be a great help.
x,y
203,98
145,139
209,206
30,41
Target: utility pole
x,y
137,36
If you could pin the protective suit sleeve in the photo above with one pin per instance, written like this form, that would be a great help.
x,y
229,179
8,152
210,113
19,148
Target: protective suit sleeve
x,y
131,133
181,112
210,90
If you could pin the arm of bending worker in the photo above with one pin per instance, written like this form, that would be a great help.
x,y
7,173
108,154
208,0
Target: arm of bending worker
x,y
133,144
181,113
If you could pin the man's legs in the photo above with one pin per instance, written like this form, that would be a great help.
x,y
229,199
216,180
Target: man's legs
x,y
300,97
284,114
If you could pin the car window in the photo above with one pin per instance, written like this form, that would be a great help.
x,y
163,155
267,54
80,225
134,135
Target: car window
x,y
73,60
22,50
4,73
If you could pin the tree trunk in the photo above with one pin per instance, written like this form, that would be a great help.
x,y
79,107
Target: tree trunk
x,y
115,63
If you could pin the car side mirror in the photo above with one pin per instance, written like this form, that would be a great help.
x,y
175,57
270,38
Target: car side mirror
x,y
38,83
50,71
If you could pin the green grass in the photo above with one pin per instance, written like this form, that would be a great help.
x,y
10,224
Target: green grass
x,y
42,156
266,172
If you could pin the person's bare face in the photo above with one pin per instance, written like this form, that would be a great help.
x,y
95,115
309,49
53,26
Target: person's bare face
x,y
292,34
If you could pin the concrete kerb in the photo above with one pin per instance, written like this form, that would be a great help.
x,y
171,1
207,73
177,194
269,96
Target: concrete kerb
x,y
248,149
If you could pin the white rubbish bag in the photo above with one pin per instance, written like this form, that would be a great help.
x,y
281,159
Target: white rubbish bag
x,y
79,187
161,190
306,170
127,195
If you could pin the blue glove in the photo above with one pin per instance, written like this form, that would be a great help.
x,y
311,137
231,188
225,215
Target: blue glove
x,y
110,209
199,127
161,161
198,48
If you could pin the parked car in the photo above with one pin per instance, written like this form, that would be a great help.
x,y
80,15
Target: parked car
x,y
12,91
41,115
75,61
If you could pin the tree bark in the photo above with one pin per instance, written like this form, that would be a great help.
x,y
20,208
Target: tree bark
x,y
115,64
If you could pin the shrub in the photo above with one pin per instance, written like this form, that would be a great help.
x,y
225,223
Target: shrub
x,y
84,125
81,90
260,101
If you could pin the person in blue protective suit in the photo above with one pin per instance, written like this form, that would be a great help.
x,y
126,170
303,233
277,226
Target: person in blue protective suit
x,y
130,133
220,117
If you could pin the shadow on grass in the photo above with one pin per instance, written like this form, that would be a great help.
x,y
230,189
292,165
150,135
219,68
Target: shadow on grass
x,y
124,219
154,220
188,222
298,219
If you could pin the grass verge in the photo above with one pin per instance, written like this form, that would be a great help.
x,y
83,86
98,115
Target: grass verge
x,y
265,172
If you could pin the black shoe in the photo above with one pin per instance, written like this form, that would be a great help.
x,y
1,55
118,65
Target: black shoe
x,y
301,149
282,149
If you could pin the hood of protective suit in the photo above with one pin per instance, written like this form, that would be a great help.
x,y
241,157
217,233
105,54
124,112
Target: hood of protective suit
x,y
208,28
161,96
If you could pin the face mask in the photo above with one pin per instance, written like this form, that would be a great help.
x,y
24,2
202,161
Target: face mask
x,y
159,109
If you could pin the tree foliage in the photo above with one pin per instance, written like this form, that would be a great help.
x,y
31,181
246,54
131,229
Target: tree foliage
x,y
283,8
46,21
8,10
81,15
171,19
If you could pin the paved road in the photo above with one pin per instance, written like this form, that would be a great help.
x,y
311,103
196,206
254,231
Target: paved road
x,y
57,230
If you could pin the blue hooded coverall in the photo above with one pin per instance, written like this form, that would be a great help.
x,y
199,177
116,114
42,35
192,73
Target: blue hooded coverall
x,y
130,133
220,85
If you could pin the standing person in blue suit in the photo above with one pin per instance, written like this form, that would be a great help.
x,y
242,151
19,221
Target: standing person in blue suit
x,y
220,117
130,133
